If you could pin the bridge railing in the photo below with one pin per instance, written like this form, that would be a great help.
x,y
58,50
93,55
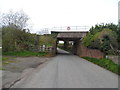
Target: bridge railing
x,y
71,28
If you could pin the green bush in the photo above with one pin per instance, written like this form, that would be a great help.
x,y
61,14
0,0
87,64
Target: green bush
x,y
106,63
104,38
48,40
16,40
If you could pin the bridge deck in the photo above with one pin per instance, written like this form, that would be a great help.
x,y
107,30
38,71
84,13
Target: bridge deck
x,y
73,35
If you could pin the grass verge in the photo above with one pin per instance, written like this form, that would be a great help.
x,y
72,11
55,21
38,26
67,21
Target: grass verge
x,y
25,53
7,60
105,63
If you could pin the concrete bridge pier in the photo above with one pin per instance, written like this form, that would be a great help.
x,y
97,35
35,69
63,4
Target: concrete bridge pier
x,y
66,43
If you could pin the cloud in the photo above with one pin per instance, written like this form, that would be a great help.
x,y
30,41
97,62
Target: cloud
x,y
50,13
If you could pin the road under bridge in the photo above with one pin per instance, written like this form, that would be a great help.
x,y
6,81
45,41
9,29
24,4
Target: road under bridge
x,y
69,34
75,37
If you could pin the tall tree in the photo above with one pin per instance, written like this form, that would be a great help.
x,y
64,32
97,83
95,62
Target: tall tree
x,y
14,19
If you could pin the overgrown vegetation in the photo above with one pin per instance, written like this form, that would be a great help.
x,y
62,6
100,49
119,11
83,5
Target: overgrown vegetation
x,y
19,41
48,40
104,37
0,37
7,60
16,39
105,63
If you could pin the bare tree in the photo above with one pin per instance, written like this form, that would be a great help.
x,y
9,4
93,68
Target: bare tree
x,y
18,19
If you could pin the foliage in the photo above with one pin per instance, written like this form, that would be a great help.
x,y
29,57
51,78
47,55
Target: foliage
x,y
16,40
25,53
5,58
15,19
0,37
19,41
100,27
14,36
103,37
118,33
105,63
88,39
48,40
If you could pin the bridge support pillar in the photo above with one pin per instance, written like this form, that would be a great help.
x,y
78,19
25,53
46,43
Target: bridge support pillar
x,y
66,43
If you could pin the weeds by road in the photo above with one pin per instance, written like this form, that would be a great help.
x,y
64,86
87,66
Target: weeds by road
x,y
105,63
25,53
13,67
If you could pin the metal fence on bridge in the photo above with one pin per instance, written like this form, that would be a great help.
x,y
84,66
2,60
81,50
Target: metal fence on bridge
x,y
71,28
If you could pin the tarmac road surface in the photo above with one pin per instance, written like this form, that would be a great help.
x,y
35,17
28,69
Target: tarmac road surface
x,y
68,71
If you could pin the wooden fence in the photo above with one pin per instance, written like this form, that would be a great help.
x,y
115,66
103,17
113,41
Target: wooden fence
x,y
51,50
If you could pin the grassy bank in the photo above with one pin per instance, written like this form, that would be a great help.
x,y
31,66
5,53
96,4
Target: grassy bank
x,y
25,53
105,63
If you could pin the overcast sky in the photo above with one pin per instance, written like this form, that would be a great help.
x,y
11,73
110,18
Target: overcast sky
x,y
55,13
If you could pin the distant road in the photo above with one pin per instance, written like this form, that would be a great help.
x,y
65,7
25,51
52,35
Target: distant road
x,y
69,71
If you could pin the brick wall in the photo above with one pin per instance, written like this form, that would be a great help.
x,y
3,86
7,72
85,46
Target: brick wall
x,y
86,52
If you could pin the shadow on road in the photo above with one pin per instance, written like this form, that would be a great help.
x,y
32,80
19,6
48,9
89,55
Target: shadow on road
x,y
62,52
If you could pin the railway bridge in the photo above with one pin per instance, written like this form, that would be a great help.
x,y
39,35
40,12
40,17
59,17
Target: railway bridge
x,y
71,34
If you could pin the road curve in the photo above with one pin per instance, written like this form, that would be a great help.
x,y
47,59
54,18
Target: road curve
x,y
69,71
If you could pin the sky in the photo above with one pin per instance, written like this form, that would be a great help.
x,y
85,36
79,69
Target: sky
x,y
57,13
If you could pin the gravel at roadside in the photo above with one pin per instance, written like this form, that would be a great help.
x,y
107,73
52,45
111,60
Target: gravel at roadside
x,y
18,68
